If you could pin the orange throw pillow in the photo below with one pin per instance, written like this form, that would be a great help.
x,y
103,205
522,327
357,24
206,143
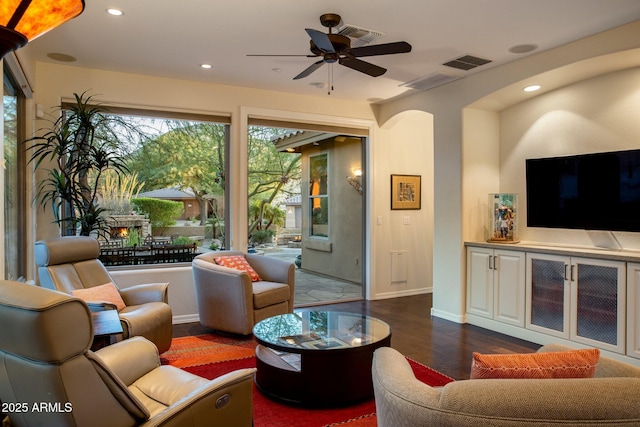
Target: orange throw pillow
x,y
107,292
554,364
238,262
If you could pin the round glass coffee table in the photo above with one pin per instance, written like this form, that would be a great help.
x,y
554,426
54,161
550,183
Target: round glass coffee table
x,y
318,358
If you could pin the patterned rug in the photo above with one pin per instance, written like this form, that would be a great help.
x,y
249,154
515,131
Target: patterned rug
x,y
210,356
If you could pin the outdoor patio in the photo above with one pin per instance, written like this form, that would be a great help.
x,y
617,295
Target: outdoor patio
x,y
312,288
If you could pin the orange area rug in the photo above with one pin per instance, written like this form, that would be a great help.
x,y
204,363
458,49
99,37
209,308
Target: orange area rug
x,y
210,356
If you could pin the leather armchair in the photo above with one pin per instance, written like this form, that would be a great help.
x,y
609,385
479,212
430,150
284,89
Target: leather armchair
x,y
69,263
229,301
44,360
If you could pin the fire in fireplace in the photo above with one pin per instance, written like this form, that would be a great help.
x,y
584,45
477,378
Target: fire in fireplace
x,y
121,232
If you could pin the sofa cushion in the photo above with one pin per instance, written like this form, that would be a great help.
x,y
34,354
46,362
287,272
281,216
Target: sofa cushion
x,y
561,364
238,262
107,292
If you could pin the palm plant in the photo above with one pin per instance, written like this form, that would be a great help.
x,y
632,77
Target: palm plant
x,y
83,143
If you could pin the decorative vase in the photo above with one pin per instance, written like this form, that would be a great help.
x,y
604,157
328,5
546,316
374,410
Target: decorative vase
x,y
503,218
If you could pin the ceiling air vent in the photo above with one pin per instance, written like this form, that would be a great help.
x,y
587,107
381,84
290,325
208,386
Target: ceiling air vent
x,y
361,36
467,62
431,81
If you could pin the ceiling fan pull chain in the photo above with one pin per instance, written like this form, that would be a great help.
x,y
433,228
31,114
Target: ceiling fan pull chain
x,y
331,77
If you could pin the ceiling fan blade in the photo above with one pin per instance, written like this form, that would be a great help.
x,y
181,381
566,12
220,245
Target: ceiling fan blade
x,y
381,49
321,40
309,70
362,66
307,56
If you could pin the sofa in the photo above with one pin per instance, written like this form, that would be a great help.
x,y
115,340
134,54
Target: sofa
x,y
610,398
229,300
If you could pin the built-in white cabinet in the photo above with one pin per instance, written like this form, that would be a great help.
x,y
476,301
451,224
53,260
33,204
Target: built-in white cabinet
x,y
579,299
633,310
495,284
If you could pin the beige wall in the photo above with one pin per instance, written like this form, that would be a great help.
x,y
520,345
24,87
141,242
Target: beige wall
x,y
595,115
405,146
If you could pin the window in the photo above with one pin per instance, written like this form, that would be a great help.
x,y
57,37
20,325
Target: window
x,y
14,175
319,195
171,202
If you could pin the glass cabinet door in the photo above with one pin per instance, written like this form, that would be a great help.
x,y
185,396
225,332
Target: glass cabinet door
x,y
548,296
597,307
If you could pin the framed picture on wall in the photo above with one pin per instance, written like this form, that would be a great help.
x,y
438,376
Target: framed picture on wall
x,y
405,192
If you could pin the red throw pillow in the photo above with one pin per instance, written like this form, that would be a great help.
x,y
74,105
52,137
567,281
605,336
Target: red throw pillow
x,y
238,262
107,292
554,364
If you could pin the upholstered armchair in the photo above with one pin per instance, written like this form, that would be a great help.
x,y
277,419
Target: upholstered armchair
x,y
69,264
52,379
229,300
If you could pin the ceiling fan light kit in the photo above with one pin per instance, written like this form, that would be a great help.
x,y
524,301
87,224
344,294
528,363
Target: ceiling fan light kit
x,y
332,48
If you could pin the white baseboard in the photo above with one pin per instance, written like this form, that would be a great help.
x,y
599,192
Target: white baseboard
x,y
407,293
185,318
448,316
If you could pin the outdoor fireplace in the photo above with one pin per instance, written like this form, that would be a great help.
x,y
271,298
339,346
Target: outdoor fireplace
x,y
121,225
118,232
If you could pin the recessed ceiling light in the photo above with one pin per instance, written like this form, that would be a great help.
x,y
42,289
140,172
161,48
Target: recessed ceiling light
x,y
206,66
532,88
115,12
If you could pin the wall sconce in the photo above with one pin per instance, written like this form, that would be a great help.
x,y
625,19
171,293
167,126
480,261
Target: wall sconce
x,y
356,180
23,21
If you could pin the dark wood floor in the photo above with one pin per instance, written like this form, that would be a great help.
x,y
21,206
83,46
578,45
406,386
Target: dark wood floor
x,y
443,345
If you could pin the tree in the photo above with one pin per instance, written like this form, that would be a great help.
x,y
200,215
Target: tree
x,y
189,156
271,173
161,213
83,143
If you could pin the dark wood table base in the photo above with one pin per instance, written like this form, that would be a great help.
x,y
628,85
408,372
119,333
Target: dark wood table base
x,y
337,377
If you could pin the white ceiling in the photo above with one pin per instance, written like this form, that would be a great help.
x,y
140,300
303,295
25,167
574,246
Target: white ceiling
x,y
171,39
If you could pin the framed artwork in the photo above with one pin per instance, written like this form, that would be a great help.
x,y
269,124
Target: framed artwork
x,y
405,192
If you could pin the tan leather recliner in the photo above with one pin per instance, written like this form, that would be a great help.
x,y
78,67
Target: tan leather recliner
x,y
229,301
68,263
52,379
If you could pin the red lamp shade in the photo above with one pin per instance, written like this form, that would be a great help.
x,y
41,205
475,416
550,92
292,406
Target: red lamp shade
x,y
23,20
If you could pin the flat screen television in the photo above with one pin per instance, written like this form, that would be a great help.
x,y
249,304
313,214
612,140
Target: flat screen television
x,y
590,191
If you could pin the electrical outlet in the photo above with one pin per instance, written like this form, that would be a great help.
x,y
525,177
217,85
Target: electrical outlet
x,y
406,220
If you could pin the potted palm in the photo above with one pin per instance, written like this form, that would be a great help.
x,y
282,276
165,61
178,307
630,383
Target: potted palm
x,y
81,144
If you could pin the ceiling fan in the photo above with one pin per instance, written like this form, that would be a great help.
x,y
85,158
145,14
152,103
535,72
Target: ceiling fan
x,y
337,48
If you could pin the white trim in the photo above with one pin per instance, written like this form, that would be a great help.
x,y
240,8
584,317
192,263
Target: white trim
x,y
448,316
186,318
407,293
